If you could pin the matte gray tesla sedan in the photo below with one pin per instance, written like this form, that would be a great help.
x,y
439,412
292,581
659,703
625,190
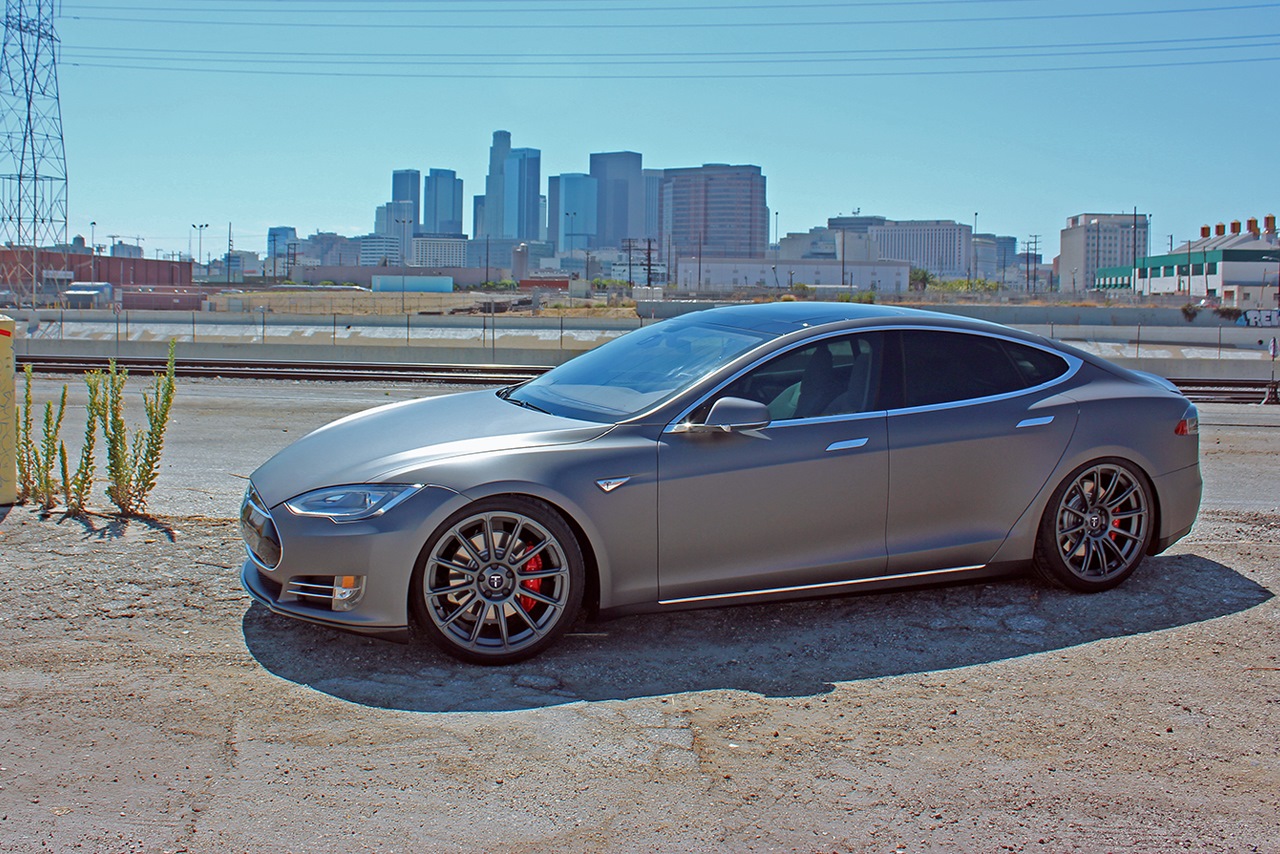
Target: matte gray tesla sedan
x,y
741,454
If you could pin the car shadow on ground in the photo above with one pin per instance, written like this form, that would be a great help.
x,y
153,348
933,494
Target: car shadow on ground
x,y
781,650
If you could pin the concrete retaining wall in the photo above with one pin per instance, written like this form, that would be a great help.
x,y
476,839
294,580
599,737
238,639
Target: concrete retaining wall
x,y
1177,349
1012,315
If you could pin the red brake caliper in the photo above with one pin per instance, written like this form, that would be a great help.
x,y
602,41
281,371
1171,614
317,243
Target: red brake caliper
x,y
534,584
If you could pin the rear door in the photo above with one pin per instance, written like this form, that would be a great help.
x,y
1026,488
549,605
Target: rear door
x,y
978,428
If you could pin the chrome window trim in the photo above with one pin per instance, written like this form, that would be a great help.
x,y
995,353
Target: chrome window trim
x,y
1074,364
825,585
1073,367
827,419
675,423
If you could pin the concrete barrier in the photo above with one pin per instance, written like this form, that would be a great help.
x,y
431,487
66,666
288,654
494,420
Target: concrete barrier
x,y
1195,351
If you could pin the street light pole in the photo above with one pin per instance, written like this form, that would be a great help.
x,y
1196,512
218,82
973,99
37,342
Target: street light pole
x,y
842,282
93,250
973,250
403,261
200,231
1263,296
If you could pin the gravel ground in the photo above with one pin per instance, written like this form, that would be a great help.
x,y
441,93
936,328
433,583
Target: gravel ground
x,y
149,706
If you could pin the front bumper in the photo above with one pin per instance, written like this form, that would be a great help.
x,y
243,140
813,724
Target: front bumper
x,y
313,554
266,593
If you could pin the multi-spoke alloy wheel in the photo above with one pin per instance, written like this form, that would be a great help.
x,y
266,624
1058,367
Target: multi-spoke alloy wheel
x,y
1096,528
500,581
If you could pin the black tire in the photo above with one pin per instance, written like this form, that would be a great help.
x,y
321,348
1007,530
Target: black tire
x,y
1097,526
499,581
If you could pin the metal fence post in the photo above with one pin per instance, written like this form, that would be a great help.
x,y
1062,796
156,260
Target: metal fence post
x,y
8,416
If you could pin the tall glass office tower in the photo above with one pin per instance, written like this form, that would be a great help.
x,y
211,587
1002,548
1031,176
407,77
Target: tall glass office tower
x,y
406,187
442,202
521,195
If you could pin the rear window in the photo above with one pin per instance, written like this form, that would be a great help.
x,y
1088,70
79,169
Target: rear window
x,y
1035,365
944,367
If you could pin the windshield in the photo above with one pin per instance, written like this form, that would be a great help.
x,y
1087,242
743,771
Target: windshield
x,y
630,374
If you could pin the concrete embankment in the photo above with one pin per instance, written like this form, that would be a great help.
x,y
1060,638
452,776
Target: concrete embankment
x,y
1170,346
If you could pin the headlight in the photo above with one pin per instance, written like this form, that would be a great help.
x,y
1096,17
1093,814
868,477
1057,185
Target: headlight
x,y
351,503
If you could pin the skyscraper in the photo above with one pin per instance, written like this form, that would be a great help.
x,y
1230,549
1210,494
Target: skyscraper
x,y
494,206
442,202
573,218
405,187
278,239
621,198
521,195
394,219
715,211
653,203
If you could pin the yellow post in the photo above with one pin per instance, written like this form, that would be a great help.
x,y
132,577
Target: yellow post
x,y
8,416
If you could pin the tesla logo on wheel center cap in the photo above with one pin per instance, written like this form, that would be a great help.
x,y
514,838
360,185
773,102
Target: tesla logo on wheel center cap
x,y
496,582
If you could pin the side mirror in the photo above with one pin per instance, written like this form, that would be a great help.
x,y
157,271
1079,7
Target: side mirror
x,y
733,415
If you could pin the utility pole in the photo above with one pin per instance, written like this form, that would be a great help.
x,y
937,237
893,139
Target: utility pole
x,y
842,282
629,244
1033,249
33,163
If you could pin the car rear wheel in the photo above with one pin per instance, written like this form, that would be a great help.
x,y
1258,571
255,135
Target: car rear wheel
x,y
1096,528
499,581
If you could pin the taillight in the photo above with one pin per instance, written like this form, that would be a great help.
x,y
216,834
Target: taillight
x,y
1190,423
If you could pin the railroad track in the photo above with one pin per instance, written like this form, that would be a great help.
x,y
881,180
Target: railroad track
x,y
1227,391
1199,390
287,370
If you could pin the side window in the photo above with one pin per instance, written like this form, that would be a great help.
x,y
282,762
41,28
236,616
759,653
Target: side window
x,y
1035,365
942,367
837,376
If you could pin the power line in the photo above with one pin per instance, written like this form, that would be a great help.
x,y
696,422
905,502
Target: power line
x,y
670,25
711,53
487,7
524,75
806,57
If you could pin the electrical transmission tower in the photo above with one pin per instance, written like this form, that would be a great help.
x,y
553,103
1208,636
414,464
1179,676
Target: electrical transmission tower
x,y
33,162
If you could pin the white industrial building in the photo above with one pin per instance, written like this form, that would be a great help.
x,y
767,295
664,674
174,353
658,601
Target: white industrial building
x,y
943,247
722,273
439,251
1092,241
1240,266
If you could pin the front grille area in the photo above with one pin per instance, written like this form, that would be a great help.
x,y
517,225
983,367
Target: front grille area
x,y
272,586
312,589
259,531
336,593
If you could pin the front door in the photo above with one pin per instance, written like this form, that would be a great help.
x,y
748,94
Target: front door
x,y
798,504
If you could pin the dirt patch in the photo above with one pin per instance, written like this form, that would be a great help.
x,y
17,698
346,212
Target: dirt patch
x,y
148,706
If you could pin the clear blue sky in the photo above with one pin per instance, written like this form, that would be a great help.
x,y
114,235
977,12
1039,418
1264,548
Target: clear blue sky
x,y
295,112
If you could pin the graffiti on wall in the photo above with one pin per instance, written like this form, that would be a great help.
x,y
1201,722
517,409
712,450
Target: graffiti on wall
x,y
1260,317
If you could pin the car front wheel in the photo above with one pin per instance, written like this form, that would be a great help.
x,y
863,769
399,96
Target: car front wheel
x,y
499,581
1096,528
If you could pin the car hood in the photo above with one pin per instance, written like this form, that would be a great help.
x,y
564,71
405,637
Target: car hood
x,y
378,444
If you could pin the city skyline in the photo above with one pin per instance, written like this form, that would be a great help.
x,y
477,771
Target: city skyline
x,y
172,117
